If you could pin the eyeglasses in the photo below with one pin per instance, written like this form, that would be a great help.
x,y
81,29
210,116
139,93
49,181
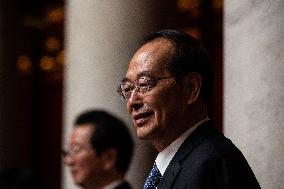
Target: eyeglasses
x,y
72,152
142,85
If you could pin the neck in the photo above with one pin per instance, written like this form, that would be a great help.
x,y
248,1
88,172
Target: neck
x,y
161,142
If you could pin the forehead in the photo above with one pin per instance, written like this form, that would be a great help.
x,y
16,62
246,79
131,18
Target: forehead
x,y
151,58
81,134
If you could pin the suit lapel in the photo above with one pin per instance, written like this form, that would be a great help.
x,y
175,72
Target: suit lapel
x,y
169,176
185,149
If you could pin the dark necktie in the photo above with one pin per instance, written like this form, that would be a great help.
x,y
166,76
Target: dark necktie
x,y
153,178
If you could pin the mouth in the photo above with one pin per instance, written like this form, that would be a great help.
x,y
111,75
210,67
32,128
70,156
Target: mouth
x,y
141,118
74,172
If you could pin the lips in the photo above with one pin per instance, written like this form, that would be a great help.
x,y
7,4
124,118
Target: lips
x,y
141,118
74,172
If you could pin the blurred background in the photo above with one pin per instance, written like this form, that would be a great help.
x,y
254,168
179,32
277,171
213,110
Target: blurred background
x,y
32,58
48,50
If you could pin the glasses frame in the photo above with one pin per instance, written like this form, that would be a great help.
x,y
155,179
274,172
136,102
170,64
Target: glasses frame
x,y
72,152
137,88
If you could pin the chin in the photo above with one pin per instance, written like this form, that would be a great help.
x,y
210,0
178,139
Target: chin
x,y
144,133
81,184
79,181
140,134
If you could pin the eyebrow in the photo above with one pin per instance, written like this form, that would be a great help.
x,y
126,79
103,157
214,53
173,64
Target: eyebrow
x,y
144,73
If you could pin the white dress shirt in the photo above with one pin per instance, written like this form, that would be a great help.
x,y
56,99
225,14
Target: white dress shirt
x,y
113,184
164,157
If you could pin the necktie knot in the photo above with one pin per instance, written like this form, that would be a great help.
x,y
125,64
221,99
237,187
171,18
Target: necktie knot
x,y
153,178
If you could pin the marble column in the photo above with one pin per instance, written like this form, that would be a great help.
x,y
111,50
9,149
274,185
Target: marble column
x,y
254,85
101,38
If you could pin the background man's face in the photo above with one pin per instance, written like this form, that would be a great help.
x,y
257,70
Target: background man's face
x,y
85,165
155,113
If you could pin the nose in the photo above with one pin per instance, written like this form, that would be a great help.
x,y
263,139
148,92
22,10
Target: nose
x,y
134,102
68,160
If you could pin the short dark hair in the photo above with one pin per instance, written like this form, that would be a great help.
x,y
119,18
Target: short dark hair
x,y
189,56
110,132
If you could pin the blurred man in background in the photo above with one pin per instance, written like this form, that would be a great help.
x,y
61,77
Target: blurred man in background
x,y
100,151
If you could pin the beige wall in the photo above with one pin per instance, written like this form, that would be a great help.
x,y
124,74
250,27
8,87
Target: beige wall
x,y
254,85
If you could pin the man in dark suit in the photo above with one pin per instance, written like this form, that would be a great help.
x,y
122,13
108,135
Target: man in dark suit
x,y
100,151
167,88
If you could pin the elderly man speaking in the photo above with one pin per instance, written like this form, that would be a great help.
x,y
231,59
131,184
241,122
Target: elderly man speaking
x,y
166,88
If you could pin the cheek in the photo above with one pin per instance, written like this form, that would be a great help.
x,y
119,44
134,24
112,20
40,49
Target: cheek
x,y
164,103
84,166
83,170
166,109
161,103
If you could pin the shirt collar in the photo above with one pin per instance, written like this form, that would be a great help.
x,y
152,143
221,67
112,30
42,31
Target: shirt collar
x,y
164,157
113,184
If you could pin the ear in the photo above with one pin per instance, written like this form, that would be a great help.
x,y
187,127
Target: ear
x,y
194,83
109,159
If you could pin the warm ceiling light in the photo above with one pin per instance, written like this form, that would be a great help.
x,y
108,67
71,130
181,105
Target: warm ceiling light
x,y
24,63
190,6
60,58
46,63
55,15
52,44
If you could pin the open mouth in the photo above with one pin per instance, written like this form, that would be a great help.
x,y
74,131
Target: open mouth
x,y
141,118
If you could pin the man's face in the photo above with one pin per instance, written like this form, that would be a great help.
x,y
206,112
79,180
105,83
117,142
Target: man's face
x,y
85,165
155,114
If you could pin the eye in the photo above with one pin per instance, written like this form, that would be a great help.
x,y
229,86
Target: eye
x,y
76,149
145,84
145,81
126,87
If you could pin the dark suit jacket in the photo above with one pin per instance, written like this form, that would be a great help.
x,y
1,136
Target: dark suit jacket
x,y
206,160
123,185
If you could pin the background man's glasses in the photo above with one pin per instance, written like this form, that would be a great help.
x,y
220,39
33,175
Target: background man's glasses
x,y
142,85
72,152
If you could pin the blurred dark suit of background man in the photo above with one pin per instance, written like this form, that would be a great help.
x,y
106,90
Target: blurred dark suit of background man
x,y
167,88
100,151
